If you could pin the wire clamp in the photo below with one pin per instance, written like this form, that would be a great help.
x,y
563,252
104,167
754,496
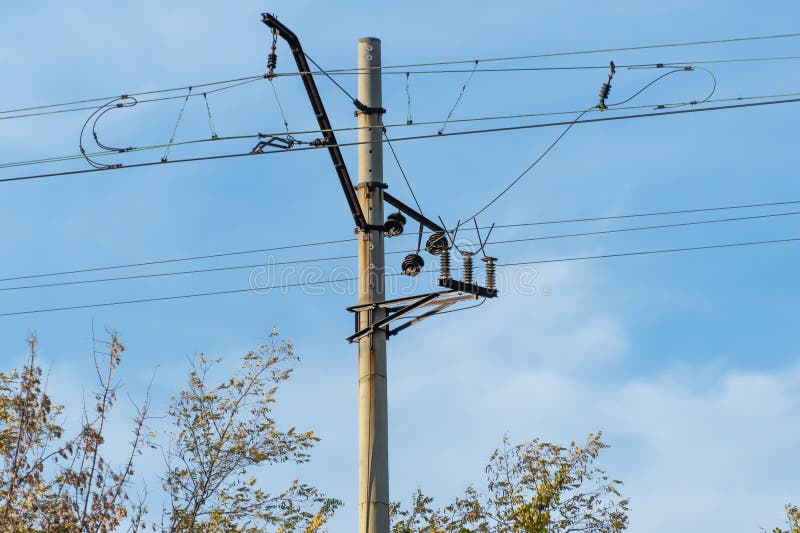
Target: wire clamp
x,y
277,142
367,110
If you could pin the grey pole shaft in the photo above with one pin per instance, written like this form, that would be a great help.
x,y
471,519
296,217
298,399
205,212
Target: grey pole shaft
x,y
373,430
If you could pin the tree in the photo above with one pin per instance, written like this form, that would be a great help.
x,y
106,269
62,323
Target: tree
x,y
792,520
49,483
222,433
535,487
225,430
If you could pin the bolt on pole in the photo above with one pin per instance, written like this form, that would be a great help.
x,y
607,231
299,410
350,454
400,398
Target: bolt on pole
x,y
373,430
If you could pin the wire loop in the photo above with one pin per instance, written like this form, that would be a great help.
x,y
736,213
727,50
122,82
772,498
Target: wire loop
x,y
116,103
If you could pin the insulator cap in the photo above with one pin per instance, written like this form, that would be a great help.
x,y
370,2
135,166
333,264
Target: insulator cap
x,y
412,265
394,224
437,243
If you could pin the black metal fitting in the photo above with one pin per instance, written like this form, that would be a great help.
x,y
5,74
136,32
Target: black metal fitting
x,y
367,110
276,142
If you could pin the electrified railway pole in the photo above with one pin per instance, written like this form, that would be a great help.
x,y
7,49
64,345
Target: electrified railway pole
x,y
373,428
375,315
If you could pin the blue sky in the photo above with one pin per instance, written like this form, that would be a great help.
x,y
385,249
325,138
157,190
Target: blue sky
x,y
688,362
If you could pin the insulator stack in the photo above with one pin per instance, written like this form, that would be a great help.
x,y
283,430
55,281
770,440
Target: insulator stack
x,y
605,90
467,266
272,63
444,257
491,272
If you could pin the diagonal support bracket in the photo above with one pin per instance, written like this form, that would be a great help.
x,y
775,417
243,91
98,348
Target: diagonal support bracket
x,y
398,308
440,306
394,315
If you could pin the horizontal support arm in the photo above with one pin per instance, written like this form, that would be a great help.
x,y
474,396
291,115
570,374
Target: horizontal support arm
x,y
471,288
419,217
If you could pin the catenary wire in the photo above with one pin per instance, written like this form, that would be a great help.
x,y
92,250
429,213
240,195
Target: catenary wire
x,y
180,260
143,100
341,241
350,279
57,159
342,257
651,214
595,51
179,273
662,64
177,297
645,228
248,79
141,93
650,252
438,63
409,138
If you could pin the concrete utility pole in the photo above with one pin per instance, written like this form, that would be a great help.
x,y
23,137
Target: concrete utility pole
x,y
366,208
373,428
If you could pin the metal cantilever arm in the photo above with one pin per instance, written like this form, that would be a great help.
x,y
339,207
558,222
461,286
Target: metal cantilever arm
x,y
322,117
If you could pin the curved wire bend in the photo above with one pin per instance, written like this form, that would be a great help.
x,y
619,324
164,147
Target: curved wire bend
x,y
116,103
601,107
